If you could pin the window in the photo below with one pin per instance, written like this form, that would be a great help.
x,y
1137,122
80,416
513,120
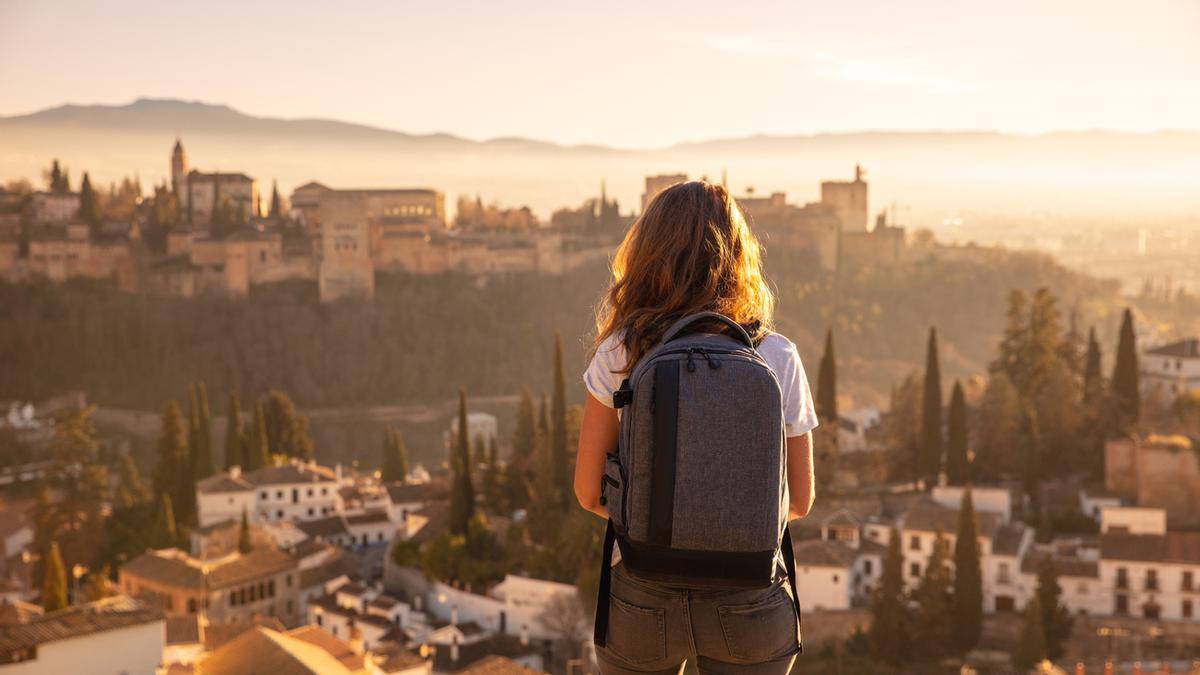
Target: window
x,y
914,570
1122,605
867,566
1122,577
310,492
324,491
1002,573
1150,610
320,617
279,494
265,495
380,537
835,578
288,578
191,605
1186,610
310,512
279,513
914,543
1187,581
271,588
1152,580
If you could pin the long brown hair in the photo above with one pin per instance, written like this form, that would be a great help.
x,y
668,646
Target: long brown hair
x,y
690,251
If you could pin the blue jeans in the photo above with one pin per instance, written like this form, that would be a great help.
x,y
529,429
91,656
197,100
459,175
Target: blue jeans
x,y
654,629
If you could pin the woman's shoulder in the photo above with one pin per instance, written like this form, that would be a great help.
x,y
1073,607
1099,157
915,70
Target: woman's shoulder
x,y
776,343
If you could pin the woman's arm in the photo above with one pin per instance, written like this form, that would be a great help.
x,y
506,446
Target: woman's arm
x,y
801,486
597,437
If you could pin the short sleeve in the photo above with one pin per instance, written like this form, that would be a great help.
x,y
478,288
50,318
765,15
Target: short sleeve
x,y
799,412
603,375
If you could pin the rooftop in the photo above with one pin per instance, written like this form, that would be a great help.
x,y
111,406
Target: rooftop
x,y
1188,349
73,622
928,516
173,567
1172,547
263,650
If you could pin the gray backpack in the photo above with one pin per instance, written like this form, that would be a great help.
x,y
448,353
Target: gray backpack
x,y
697,492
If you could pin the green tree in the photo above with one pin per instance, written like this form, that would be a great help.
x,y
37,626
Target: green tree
x,y
1044,341
559,430
89,208
827,408
1125,372
1056,618
1011,360
958,467
131,489
244,543
258,453
902,429
998,430
932,442
235,434
287,432
57,179
165,533
1091,369
276,211
172,452
54,581
933,634
201,436
462,494
968,579
492,478
890,622
1031,644
1032,470
524,435
395,456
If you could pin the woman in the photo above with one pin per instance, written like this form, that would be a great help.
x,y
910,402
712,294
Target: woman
x,y
691,251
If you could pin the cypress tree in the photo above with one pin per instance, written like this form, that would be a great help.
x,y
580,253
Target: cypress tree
x,y
244,544
165,533
1032,468
89,208
172,451
54,581
235,441
958,468
401,456
132,488
1012,345
202,464
968,579
827,383
479,457
1125,372
1091,368
1056,618
387,463
889,633
934,603
491,477
395,456
56,181
276,204
462,495
524,435
1031,645
559,431
931,413
258,454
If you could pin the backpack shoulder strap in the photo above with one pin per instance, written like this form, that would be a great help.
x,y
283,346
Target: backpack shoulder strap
x,y
604,588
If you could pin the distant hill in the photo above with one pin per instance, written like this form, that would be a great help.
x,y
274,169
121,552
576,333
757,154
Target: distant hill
x,y
933,173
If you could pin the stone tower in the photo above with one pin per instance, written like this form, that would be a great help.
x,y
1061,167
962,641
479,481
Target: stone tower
x,y
179,172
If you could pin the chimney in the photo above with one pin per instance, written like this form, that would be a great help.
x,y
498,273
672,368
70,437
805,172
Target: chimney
x,y
454,615
524,635
454,652
337,471
235,471
356,640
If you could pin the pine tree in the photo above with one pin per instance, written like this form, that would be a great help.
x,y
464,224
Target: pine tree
x,y
1012,345
1091,368
462,495
172,451
1056,618
890,623
931,414
1032,470
523,436
244,544
54,581
1125,372
958,468
1031,645
235,441
827,409
89,208
968,579
559,431
257,452
934,603
165,533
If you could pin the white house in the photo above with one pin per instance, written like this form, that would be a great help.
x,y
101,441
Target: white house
x,y
110,637
853,426
296,491
1172,369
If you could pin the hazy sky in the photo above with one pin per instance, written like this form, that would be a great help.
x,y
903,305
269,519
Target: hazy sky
x,y
623,73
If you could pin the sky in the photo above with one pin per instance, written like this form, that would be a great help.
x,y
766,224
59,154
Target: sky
x,y
627,74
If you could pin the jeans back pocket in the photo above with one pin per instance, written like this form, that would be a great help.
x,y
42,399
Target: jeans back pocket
x,y
636,635
762,630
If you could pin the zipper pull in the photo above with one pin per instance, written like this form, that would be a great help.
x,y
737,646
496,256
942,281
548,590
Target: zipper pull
x,y
713,364
691,366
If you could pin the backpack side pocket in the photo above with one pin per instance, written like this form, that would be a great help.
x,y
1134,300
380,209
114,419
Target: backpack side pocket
x,y
612,490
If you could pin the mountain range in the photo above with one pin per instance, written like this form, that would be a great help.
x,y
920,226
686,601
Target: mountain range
x,y
932,173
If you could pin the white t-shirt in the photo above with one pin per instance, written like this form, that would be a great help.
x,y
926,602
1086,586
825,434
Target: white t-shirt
x,y
603,377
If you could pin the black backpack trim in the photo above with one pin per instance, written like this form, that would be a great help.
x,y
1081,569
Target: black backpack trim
x,y
662,469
